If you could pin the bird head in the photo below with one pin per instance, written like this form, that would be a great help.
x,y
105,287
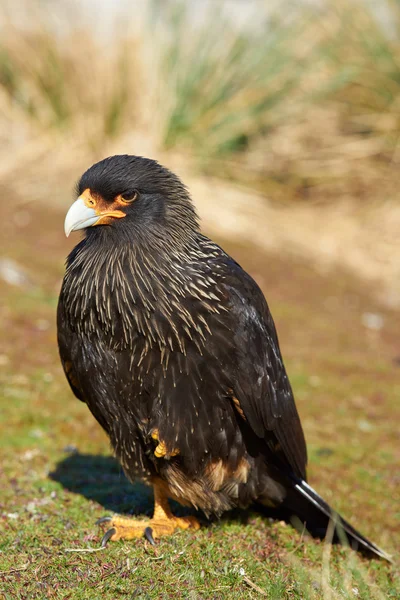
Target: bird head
x,y
133,195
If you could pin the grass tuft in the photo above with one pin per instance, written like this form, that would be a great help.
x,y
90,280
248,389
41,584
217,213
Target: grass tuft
x,y
300,103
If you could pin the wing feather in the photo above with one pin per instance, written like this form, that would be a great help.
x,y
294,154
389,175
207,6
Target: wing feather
x,y
261,383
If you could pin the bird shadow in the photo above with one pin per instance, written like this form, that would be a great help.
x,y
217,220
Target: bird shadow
x,y
101,479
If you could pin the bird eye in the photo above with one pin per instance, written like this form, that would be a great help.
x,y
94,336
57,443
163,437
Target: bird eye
x,y
130,196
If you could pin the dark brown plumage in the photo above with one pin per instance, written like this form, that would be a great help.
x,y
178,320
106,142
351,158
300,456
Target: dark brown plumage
x,y
172,347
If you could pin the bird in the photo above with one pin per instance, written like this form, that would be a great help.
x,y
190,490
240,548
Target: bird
x,y
173,348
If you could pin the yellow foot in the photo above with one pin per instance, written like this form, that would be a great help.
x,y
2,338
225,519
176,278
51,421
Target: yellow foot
x,y
122,528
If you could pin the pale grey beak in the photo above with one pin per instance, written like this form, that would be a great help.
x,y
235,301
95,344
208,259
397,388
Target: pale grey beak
x,y
79,216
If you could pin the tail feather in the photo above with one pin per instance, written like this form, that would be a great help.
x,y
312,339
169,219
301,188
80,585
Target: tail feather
x,y
304,502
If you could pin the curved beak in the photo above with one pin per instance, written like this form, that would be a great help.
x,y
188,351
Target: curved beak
x,y
79,216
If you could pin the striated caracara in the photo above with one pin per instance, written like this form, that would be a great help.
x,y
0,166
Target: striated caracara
x,y
172,347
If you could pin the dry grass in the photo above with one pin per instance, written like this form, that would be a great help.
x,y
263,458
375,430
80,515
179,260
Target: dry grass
x,y
303,106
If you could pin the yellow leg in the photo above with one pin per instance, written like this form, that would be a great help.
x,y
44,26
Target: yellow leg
x,y
162,523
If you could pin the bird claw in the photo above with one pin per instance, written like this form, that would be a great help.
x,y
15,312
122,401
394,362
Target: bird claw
x,y
103,520
124,528
148,534
108,534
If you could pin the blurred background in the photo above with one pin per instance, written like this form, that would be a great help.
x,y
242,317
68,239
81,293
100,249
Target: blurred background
x,y
283,118
294,103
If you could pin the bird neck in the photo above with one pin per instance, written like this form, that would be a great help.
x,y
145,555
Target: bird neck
x,y
140,252
124,286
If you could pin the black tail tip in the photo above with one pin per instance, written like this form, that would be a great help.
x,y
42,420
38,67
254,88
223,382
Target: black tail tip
x,y
337,533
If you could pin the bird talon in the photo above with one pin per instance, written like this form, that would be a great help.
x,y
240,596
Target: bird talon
x,y
107,536
103,520
148,534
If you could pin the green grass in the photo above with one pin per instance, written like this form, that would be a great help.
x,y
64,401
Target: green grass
x,y
57,475
224,87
